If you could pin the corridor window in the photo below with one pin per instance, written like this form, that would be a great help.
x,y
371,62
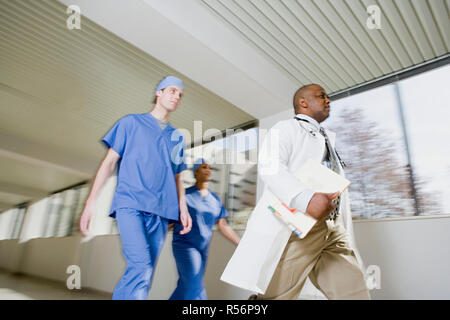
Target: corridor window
x,y
394,140
234,168
34,224
11,223
426,106
370,141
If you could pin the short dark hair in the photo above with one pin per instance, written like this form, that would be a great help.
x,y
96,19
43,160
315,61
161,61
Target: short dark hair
x,y
298,94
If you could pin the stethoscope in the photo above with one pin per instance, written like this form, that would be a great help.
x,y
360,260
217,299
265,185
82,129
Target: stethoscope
x,y
312,133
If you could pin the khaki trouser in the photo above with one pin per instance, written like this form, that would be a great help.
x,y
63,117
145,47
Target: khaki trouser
x,y
326,257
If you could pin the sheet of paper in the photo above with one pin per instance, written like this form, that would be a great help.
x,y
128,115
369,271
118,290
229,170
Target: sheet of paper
x,y
321,179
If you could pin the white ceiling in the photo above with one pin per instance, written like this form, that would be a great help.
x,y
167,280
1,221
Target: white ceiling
x,y
61,89
268,48
328,42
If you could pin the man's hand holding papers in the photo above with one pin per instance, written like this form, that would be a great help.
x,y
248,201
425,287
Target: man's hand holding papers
x,y
324,182
321,205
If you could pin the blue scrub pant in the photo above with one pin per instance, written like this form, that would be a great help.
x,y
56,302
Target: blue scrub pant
x,y
142,236
191,266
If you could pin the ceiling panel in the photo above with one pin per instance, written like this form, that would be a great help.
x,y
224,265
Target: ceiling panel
x,y
8,200
32,175
329,42
117,77
428,23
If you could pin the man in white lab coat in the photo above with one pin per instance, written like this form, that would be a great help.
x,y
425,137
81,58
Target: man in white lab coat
x,y
270,259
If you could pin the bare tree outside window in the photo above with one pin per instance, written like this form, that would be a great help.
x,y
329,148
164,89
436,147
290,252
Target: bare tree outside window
x,y
380,185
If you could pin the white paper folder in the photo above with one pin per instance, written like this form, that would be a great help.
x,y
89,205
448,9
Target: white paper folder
x,y
318,178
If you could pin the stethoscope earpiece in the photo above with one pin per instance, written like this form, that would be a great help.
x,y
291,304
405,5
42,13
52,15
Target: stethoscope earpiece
x,y
312,133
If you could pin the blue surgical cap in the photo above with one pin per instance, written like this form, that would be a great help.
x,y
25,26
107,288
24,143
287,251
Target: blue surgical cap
x,y
197,164
169,81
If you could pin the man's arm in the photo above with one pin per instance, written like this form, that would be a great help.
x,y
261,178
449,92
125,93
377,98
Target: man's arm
x,y
273,160
106,169
274,157
185,217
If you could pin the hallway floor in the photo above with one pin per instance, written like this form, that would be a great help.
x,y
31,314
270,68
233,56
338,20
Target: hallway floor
x,y
24,287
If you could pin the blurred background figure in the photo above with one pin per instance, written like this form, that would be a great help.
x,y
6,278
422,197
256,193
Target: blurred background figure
x,y
191,250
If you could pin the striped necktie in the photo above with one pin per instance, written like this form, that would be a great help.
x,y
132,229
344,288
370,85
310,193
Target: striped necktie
x,y
331,160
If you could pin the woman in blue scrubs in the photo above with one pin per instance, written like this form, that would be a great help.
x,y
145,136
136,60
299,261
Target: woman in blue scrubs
x,y
191,250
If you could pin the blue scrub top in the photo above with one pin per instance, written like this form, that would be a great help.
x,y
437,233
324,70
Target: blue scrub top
x,y
150,159
204,211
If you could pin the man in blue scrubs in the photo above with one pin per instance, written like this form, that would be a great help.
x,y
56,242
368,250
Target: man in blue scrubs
x,y
191,250
148,153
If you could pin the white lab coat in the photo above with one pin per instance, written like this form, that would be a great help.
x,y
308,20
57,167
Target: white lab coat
x,y
285,149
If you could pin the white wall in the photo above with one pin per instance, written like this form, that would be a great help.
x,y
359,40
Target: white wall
x,y
413,256
10,255
49,257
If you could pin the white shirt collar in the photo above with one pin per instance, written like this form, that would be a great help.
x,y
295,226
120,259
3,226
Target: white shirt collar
x,y
310,120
